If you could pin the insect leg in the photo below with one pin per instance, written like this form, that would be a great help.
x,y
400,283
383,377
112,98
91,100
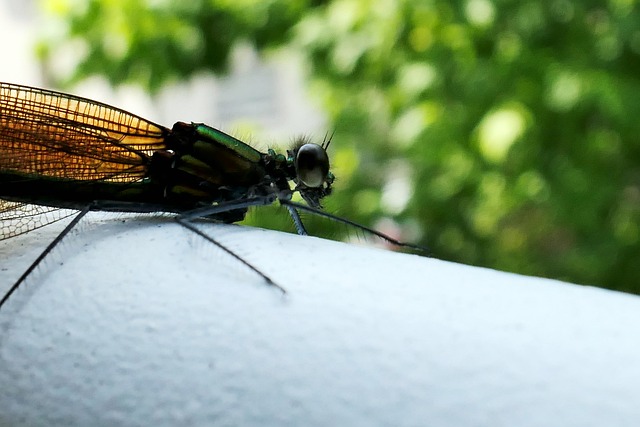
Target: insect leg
x,y
266,278
44,253
183,219
297,221
293,205
227,206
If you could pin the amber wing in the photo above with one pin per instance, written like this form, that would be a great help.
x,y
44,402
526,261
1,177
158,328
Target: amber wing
x,y
56,135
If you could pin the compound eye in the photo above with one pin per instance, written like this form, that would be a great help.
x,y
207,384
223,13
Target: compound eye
x,y
312,165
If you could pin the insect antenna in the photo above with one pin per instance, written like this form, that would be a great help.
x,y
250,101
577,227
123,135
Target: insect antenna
x,y
326,141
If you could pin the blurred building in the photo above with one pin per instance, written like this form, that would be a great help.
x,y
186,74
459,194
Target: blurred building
x,y
256,101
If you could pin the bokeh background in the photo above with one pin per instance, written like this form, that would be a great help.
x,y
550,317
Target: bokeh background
x,y
498,133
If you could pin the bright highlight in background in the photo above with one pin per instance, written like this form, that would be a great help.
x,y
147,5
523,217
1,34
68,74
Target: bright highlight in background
x,y
498,131
480,12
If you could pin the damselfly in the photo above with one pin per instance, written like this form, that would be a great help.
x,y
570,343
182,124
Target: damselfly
x,y
59,151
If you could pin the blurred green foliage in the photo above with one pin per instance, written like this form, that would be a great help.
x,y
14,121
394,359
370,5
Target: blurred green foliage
x,y
499,133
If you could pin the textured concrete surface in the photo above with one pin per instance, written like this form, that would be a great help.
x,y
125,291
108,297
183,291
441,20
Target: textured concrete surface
x,y
142,323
